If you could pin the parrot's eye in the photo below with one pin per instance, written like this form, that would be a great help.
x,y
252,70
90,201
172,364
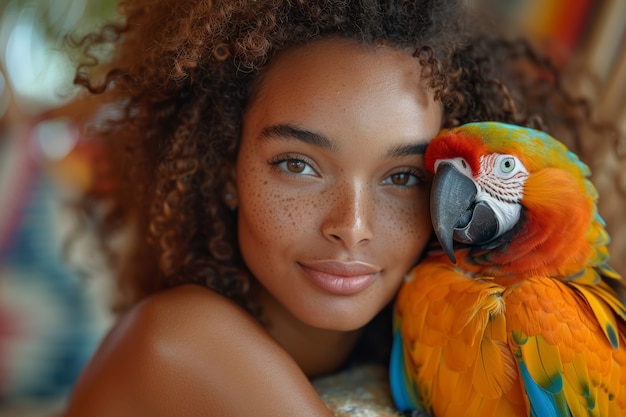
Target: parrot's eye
x,y
507,164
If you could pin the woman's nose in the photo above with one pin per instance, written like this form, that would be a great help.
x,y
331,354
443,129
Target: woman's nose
x,y
348,219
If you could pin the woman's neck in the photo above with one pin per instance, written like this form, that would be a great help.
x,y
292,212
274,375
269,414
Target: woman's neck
x,y
316,351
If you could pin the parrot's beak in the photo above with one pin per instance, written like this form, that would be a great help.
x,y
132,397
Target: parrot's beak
x,y
455,213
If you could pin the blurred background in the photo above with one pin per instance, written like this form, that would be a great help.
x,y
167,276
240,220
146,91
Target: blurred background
x,y
52,316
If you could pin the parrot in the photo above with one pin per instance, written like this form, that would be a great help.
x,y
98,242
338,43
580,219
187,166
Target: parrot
x,y
513,309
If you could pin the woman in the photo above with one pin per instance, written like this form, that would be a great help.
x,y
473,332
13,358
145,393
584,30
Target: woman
x,y
268,178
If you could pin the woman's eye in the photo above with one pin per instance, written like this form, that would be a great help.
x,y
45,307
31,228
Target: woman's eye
x,y
403,179
294,166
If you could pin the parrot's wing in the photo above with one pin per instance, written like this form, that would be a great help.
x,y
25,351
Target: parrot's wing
x,y
451,337
599,287
568,365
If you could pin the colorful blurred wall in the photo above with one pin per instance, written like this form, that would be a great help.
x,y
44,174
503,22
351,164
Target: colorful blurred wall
x,y
52,315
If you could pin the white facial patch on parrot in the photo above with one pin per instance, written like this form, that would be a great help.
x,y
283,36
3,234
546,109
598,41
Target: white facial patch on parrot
x,y
502,176
501,185
459,163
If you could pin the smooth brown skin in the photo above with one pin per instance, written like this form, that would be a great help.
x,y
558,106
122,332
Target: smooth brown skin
x,y
191,352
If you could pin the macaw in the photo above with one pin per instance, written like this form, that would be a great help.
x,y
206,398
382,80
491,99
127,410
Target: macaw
x,y
515,311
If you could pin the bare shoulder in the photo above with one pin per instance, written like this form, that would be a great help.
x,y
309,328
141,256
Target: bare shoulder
x,y
191,352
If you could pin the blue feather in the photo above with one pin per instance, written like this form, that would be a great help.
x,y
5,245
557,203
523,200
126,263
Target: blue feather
x,y
397,378
542,402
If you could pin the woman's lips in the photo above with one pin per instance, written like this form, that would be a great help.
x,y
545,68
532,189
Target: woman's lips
x,y
340,278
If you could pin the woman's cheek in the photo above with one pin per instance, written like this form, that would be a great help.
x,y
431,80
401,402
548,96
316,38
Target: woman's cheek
x,y
273,212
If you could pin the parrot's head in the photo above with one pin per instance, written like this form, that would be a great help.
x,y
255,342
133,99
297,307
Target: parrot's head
x,y
494,181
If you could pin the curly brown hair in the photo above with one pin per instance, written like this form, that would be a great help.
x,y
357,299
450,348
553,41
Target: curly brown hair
x,y
177,75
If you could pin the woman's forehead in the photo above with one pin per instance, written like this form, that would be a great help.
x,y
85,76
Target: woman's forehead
x,y
341,88
338,62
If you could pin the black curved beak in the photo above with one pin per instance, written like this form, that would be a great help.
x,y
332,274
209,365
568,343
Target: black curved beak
x,y
454,212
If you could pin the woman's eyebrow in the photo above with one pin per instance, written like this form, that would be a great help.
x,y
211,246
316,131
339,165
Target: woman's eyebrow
x,y
289,131
408,150
285,131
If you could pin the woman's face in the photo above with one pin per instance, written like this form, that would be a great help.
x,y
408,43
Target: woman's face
x,y
333,193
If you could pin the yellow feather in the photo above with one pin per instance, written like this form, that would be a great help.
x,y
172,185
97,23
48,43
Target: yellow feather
x,y
581,395
543,362
574,402
601,310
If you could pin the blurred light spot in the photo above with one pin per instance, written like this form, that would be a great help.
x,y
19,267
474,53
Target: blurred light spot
x,y
21,62
55,138
37,72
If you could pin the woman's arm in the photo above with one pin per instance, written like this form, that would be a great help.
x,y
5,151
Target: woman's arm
x,y
191,352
